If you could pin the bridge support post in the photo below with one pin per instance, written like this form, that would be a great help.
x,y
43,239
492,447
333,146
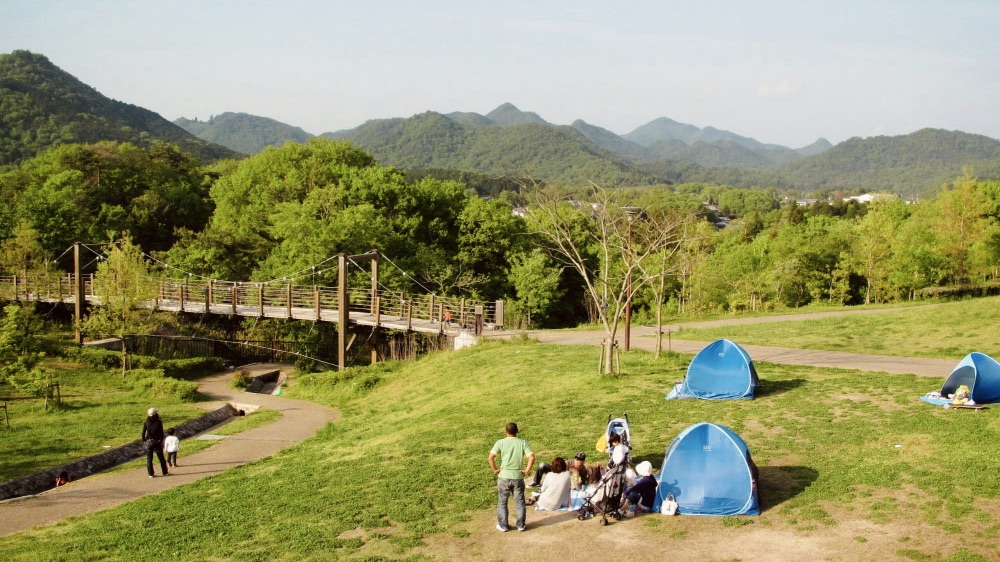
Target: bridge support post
x,y
499,314
375,328
342,314
374,253
78,306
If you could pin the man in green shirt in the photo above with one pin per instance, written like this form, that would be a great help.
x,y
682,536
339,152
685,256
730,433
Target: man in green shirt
x,y
510,476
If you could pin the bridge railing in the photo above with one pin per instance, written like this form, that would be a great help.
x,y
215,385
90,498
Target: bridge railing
x,y
242,298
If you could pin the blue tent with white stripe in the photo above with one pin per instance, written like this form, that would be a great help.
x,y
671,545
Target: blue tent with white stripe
x,y
722,370
709,471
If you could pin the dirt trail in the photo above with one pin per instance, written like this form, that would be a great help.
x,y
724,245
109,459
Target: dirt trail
x,y
300,420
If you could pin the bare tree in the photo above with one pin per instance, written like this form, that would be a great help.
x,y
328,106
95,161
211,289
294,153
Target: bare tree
x,y
593,238
665,262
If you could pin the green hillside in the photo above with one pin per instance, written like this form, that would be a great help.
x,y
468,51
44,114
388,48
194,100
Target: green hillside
x,y
544,152
42,106
913,164
243,132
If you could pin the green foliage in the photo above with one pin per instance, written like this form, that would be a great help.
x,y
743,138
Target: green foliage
x,y
241,379
431,140
154,383
81,192
913,164
20,357
93,356
42,106
536,284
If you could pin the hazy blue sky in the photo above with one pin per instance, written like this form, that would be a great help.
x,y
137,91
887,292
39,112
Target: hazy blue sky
x,y
785,72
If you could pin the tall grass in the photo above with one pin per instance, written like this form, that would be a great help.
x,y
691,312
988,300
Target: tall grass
x,y
949,330
407,459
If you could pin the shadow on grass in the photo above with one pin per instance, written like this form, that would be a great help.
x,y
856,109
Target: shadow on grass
x,y
781,483
770,387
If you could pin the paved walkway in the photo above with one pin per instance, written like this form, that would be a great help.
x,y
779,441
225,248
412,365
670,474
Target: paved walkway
x,y
643,337
300,420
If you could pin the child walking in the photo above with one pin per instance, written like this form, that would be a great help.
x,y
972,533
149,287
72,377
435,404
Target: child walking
x,y
171,445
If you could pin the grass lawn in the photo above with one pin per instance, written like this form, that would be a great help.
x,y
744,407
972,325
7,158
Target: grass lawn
x,y
949,330
99,410
405,465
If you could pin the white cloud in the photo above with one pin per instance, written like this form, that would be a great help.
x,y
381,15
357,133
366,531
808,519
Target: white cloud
x,y
878,131
775,89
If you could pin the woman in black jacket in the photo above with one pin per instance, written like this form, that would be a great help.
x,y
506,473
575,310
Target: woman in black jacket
x,y
152,439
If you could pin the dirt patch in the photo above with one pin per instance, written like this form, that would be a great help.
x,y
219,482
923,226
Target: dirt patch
x,y
560,535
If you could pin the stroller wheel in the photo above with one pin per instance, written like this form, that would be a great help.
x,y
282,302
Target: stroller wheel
x,y
617,516
603,522
581,517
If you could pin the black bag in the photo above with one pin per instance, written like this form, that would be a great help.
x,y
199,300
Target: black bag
x,y
147,445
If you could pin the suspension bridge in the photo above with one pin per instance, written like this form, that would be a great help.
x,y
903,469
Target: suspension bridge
x,y
371,306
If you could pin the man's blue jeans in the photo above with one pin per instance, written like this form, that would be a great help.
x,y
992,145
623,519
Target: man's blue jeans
x,y
505,487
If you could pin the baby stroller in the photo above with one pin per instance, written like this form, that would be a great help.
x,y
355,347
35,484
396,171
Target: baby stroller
x,y
619,426
606,497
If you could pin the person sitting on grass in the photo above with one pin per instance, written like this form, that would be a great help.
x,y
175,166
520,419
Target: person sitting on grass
x,y
642,494
579,476
554,493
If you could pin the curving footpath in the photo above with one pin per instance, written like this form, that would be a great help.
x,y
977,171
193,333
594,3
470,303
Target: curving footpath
x,y
300,420
643,337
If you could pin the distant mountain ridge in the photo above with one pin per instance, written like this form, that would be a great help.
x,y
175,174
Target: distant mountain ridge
x,y
524,146
242,132
41,106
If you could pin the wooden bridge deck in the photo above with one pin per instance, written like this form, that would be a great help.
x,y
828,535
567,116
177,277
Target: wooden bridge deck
x,y
391,311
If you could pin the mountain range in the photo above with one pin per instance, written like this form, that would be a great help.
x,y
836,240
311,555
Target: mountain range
x,y
42,105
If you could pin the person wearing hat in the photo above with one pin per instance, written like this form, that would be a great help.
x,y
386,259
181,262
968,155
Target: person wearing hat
x,y
642,494
579,476
152,440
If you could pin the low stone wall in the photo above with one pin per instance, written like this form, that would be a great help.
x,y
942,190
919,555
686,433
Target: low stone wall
x,y
41,481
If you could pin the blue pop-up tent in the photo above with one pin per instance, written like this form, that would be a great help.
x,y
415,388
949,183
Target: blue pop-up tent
x,y
722,370
978,371
709,471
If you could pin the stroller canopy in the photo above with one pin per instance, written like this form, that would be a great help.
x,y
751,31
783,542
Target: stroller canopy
x,y
709,471
722,370
981,373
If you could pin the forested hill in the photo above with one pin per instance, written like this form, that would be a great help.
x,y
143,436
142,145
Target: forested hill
x,y
910,164
242,132
556,154
42,106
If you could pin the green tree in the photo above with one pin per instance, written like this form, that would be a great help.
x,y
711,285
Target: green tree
x,y
536,284
20,357
124,289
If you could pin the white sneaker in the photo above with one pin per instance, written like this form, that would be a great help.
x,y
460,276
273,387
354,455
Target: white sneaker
x,y
501,529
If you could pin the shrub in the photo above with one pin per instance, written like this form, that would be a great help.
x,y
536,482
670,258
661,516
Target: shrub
x,y
191,368
152,382
241,379
94,357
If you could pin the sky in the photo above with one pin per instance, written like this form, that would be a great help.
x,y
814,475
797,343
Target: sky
x,y
781,71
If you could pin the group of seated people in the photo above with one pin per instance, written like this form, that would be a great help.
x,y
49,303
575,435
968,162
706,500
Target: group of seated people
x,y
557,481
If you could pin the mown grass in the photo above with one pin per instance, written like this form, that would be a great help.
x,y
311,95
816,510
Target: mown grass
x,y
949,330
232,427
407,459
100,409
